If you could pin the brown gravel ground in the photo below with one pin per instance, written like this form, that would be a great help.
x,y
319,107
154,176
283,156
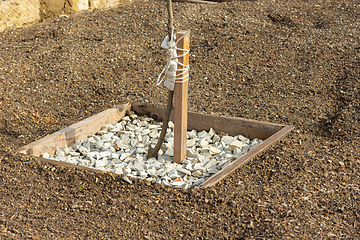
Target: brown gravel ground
x,y
292,62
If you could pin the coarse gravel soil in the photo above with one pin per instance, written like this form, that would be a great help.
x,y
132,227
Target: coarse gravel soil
x,y
290,62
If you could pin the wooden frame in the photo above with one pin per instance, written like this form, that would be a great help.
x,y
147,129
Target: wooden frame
x,y
270,133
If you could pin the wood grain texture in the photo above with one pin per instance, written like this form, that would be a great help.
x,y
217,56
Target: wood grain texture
x,y
181,100
75,132
231,125
269,132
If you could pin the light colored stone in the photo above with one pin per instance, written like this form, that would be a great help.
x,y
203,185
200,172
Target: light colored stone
x,y
145,140
189,153
212,132
192,134
173,174
124,140
127,170
222,163
66,150
243,139
189,166
133,142
107,137
237,153
126,154
199,181
184,171
126,179
74,154
205,151
153,126
203,143
152,172
84,163
119,170
216,138
213,170
79,5
197,173
155,165
161,172
139,166
210,163
177,182
114,155
203,134
17,13
106,145
105,154
154,134
83,150
170,152
142,174
170,140
145,131
227,138
140,150
254,144
100,163
142,124
236,143
199,166
245,149
214,150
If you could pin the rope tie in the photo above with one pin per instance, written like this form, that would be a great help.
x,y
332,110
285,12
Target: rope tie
x,y
171,70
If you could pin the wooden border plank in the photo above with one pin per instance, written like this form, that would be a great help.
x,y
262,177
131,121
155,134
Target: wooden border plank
x,y
269,132
231,125
75,132
247,157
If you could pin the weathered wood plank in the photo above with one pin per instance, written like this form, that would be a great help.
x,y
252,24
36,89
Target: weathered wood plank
x,y
231,125
247,157
75,132
269,132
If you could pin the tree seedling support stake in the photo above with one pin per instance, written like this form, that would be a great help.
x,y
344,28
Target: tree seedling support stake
x,y
181,100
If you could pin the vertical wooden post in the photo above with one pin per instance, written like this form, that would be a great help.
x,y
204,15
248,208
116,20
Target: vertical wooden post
x,y
181,101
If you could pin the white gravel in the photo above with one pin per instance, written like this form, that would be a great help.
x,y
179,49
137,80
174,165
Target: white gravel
x,y
122,149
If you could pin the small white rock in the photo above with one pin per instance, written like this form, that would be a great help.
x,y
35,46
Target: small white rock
x,y
170,152
236,143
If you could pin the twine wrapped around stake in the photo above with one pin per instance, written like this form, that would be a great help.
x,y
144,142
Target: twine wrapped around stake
x,y
171,71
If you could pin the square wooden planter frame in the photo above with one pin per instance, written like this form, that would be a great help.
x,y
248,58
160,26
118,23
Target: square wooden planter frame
x,y
270,133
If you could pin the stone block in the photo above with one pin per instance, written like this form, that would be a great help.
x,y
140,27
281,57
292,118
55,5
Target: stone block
x,y
79,5
18,13
51,8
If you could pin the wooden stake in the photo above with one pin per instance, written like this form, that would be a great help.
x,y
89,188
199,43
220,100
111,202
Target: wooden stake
x,y
181,102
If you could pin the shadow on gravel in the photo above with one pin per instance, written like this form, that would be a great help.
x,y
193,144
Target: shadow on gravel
x,y
335,125
282,20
